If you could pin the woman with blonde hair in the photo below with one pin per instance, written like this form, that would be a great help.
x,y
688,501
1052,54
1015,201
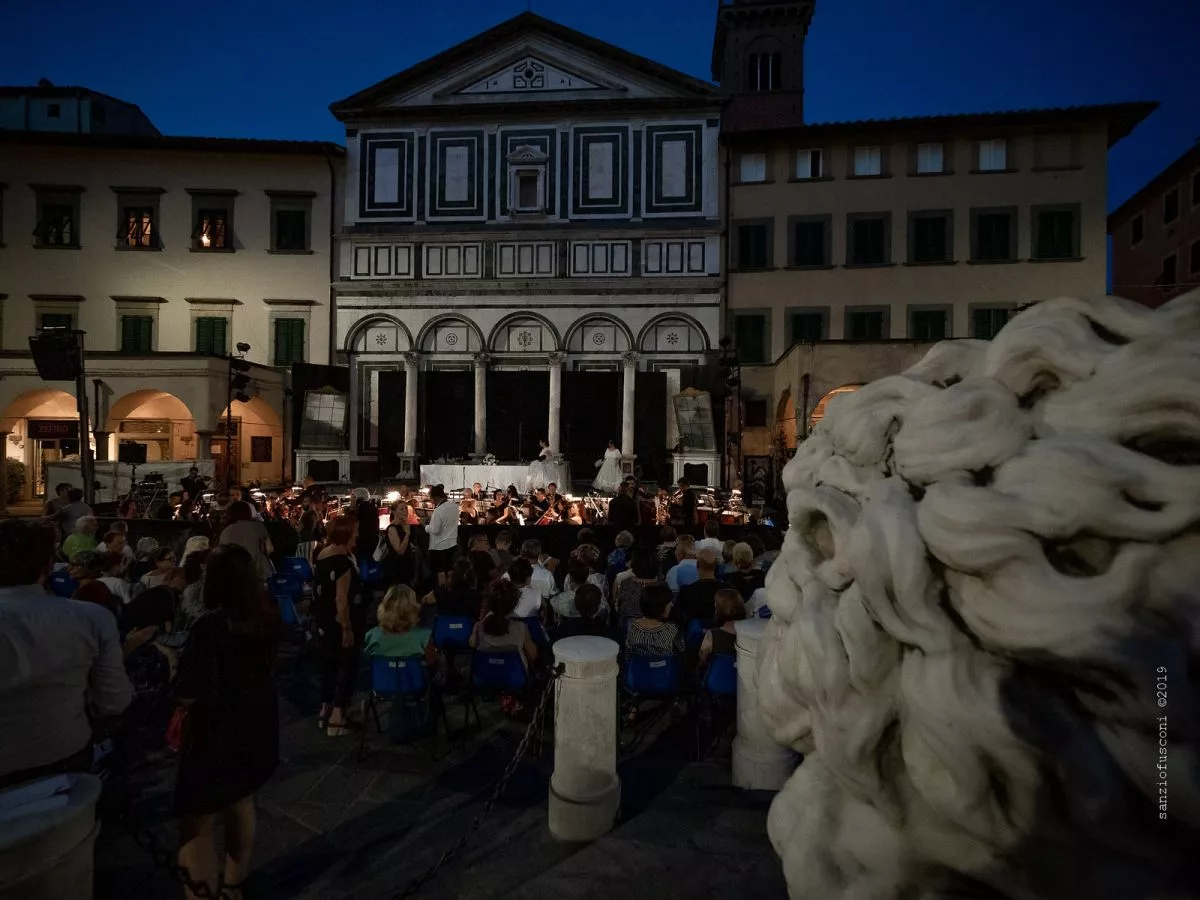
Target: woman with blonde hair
x,y
730,608
746,577
398,632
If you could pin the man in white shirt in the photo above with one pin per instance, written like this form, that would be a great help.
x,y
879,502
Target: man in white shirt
x,y
530,602
60,660
712,538
543,578
443,534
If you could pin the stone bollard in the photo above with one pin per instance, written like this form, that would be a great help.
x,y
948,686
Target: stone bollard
x,y
758,762
585,791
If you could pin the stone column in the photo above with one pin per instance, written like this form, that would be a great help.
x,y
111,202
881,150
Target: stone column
x,y
204,445
758,762
102,445
629,362
556,361
4,473
412,365
481,364
585,791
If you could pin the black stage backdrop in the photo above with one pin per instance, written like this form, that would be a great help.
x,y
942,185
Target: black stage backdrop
x,y
650,426
518,409
447,414
391,421
591,417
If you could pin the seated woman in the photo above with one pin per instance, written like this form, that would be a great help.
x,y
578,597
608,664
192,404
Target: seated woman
x,y
461,596
746,577
590,618
112,576
730,608
628,599
652,634
619,558
164,561
86,569
498,632
398,632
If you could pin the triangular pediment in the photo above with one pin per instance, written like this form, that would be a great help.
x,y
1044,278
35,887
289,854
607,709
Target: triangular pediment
x,y
530,74
526,59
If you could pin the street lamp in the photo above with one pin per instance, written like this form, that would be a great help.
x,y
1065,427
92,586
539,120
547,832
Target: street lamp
x,y
239,380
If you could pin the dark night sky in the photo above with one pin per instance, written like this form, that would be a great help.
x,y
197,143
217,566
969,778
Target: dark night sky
x,y
270,68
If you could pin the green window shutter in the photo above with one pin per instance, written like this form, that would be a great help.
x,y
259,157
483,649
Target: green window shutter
x,y
137,334
210,334
289,341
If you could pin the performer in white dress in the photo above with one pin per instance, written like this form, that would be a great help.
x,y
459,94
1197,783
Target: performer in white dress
x,y
609,478
541,472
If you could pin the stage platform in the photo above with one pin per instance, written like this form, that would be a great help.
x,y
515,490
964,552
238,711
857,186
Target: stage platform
x,y
456,476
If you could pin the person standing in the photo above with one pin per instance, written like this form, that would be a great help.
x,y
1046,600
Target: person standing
x,y
52,510
443,534
687,504
60,661
340,617
623,512
243,529
226,683
608,479
398,556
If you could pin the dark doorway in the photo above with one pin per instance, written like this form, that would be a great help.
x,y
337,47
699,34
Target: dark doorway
x,y
391,421
591,417
518,410
447,415
650,426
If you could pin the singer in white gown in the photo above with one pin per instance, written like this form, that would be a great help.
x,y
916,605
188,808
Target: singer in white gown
x,y
541,471
608,479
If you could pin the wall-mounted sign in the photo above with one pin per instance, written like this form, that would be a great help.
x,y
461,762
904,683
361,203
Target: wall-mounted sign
x,y
52,429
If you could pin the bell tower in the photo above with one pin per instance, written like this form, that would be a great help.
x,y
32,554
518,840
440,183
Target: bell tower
x,y
759,46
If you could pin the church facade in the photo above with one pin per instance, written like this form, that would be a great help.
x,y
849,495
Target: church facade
x,y
531,239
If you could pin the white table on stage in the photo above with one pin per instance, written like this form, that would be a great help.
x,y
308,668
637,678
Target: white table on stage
x,y
456,476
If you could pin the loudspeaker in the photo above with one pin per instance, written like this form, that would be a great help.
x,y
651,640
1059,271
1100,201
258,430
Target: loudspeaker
x,y
131,453
56,355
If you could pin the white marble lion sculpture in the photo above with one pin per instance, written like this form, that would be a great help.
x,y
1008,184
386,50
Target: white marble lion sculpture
x,y
986,632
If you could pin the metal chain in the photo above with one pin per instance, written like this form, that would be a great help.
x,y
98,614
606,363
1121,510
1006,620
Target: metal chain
x,y
414,885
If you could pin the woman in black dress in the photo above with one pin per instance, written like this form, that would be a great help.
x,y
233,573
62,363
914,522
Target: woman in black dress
x,y
231,733
340,615
398,559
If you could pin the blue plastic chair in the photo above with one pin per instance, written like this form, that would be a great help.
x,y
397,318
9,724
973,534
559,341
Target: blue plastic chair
x,y
764,612
536,631
653,676
298,565
62,584
452,633
287,584
395,679
370,572
287,611
694,636
720,679
498,672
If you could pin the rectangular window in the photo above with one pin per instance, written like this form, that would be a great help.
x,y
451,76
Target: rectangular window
x,y
868,161
56,321
993,155
753,246
211,230
986,323
865,325
291,229
139,230
994,238
1056,234
807,327
750,338
927,325
930,159
808,165
1171,206
528,196
868,241
810,243
752,168
56,225
1137,230
260,448
211,335
289,341
1170,276
137,334
929,238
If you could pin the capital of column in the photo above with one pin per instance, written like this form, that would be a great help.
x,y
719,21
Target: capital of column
x,y
412,359
556,359
629,359
482,359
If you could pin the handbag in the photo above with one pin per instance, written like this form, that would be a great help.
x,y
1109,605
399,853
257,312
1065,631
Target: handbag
x,y
383,547
174,733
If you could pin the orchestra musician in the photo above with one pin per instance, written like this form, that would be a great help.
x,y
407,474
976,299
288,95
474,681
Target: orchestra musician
x,y
536,505
468,509
683,505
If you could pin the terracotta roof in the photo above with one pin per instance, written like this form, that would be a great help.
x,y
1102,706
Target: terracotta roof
x,y
169,142
755,120
1186,162
526,22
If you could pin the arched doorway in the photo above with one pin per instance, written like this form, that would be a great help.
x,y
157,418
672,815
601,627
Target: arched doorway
x,y
819,412
256,442
785,423
157,419
43,428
